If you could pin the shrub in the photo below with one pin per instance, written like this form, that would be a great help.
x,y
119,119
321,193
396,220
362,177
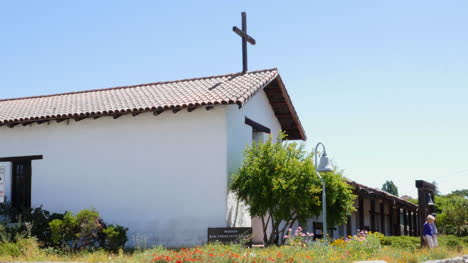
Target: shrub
x,y
7,212
89,228
298,238
10,249
115,237
464,240
364,243
411,243
22,246
63,231
452,216
450,241
29,222
4,237
39,220
404,242
12,233
86,230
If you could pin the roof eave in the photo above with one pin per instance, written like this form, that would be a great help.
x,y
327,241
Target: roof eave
x,y
301,135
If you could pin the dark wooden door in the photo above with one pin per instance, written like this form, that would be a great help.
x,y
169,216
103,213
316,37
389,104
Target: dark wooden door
x,y
21,184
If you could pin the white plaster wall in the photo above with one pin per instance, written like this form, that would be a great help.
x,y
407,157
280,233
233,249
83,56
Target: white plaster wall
x,y
258,108
164,177
240,135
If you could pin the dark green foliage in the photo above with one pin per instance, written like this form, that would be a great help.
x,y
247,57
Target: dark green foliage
x,y
39,219
63,231
413,200
29,222
4,235
86,230
77,232
452,214
7,212
340,199
115,237
390,188
462,193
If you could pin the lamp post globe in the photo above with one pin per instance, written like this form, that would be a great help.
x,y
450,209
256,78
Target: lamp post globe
x,y
324,164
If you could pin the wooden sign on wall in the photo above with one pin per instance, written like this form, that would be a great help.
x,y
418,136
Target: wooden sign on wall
x,y
228,235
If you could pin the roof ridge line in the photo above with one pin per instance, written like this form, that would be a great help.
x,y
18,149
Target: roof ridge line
x,y
136,85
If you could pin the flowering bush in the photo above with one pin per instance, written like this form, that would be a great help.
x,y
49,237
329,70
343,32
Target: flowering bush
x,y
299,238
299,248
364,243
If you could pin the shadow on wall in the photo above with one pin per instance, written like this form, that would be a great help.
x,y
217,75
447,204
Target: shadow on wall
x,y
237,212
170,233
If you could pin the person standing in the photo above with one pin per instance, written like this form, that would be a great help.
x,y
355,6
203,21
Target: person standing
x,y
434,231
427,231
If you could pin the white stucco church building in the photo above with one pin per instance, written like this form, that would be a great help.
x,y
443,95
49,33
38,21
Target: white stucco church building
x,y
155,157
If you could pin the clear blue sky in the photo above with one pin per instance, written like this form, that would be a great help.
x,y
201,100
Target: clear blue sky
x,y
384,84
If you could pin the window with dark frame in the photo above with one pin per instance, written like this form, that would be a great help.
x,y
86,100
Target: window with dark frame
x,y
21,179
21,184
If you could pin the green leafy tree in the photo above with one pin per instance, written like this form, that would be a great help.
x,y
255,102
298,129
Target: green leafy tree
x,y
452,218
413,200
340,199
390,188
278,182
462,193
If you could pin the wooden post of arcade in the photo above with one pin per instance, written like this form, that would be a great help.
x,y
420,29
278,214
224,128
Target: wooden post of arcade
x,y
426,203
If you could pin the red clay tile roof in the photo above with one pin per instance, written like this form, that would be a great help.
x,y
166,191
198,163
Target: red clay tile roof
x,y
235,88
397,200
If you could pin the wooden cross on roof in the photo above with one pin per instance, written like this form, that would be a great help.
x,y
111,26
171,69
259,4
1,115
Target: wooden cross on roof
x,y
245,38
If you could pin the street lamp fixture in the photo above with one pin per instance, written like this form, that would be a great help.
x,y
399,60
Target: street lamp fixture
x,y
324,165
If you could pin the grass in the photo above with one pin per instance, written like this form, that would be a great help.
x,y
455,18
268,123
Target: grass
x,y
340,251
